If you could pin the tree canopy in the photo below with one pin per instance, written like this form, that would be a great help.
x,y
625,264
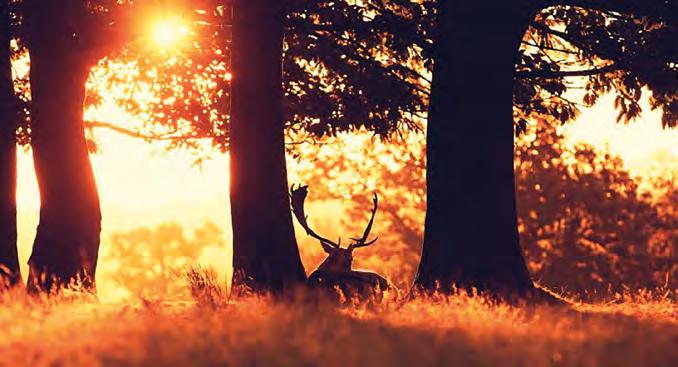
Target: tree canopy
x,y
612,51
346,67
367,65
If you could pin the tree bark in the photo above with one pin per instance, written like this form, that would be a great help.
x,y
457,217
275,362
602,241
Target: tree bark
x,y
10,274
265,252
67,241
471,238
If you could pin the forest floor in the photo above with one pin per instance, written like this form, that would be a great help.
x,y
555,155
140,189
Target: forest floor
x,y
253,331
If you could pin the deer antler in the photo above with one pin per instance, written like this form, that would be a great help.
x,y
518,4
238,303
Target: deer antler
x,y
362,242
297,197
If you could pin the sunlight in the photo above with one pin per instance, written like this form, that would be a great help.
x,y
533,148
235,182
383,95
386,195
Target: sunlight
x,y
544,235
168,33
167,188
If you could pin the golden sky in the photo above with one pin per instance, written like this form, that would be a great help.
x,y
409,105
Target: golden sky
x,y
647,148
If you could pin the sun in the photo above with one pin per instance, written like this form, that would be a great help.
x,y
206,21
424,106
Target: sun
x,y
168,33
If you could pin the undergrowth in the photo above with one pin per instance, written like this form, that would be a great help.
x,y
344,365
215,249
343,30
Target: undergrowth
x,y
639,329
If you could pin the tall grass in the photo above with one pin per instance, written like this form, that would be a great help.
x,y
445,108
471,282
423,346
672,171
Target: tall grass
x,y
210,330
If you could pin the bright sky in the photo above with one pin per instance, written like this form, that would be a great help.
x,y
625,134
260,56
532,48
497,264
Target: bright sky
x,y
645,147
140,186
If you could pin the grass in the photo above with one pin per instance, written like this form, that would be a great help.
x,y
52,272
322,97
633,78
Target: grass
x,y
209,330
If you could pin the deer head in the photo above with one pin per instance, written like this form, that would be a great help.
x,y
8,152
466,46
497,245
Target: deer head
x,y
339,259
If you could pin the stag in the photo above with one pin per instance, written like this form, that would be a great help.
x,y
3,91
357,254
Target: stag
x,y
335,271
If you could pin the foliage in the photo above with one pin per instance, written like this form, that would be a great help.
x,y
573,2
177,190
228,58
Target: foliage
x,y
585,225
625,51
150,262
94,29
346,66
113,37
353,65
180,93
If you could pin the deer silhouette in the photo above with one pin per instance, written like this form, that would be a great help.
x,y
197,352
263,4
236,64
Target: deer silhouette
x,y
335,271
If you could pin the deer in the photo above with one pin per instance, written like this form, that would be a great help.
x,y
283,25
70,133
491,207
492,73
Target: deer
x,y
336,272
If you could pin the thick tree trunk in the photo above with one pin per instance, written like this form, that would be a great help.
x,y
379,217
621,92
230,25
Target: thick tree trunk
x,y
265,253
9,259
67,241
471,237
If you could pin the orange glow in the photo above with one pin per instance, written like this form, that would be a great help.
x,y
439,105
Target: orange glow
x,y
164,292
168,33
142,185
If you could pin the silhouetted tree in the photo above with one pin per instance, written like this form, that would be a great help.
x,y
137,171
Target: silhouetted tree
x,y
470,214
9,260
64,39
471,238
265,252
191,100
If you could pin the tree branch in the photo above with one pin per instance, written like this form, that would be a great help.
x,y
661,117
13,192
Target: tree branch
x,y
549,48
571,39
659,9
139,135
550,74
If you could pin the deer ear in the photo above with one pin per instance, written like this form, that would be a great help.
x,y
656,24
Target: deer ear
x,y
327,247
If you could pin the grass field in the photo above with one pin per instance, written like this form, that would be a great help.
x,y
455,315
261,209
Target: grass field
x,y
209,330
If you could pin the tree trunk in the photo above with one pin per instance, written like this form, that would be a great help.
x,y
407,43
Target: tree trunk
x,y
9,260
265,253
67,241
471,237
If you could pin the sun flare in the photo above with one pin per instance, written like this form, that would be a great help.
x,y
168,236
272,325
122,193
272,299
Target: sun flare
x,y
168,33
